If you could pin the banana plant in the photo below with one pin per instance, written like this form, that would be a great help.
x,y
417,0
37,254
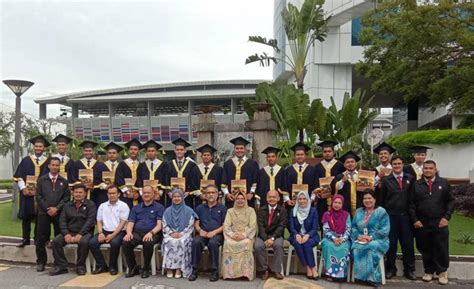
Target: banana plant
x,y
302,27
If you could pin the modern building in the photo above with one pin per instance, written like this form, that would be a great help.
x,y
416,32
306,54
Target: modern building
x,y
162,112
331,69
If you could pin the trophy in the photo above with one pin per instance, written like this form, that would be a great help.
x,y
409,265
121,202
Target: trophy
x,y
295,189
365,180
238,186
31,185
108,177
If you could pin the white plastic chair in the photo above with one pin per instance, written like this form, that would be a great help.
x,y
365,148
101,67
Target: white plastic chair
x,y
88,259
119,259
382,271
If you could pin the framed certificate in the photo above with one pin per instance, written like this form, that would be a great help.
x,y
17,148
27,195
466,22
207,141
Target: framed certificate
x,y
205,183
108,177
86,175
365,180
295,189
179,183
238,186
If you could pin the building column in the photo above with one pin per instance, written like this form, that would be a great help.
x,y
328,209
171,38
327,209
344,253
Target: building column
x,y
74,115
111,114
412,115
190,121
205,128
150,111
262,127
233,109
42,111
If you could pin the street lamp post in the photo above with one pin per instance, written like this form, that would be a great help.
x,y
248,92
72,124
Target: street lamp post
x,y
18,87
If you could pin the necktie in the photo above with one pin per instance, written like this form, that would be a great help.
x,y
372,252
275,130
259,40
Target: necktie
x,y
271,171
37,161
53,179
430,184
240,161
113,165
270,216
301,167
205,170
62,160
151,165
400,183
88,163
180,164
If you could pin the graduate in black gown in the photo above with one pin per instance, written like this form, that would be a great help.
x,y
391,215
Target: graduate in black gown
x,y
271,177
110,165
183,167
345,183
35,164
153,169
384,152
88,162
128,169
240,167
300,173
328,167
62,145
416,168
208,170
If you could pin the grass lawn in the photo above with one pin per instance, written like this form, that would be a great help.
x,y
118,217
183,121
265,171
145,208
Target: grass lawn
x,y
458,226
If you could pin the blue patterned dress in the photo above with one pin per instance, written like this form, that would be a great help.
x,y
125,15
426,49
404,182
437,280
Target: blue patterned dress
x,y
367,256
336,258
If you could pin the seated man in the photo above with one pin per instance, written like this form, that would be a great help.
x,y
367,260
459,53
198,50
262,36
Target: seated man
x,y
76,224
272,221
111,219
144,228
209,227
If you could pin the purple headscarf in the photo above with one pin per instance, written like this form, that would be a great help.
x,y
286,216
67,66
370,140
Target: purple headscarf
x,y
336,219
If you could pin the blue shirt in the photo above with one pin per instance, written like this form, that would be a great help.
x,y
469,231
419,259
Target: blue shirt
x,y
211,218
145,217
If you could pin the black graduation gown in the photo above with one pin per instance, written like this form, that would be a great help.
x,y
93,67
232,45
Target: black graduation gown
x,y
266,182
216,173
410,170
28,167
322,171
309,178
248,171
377,190
159,172
100,196
98,168
352,198
124,171
66,167
187,172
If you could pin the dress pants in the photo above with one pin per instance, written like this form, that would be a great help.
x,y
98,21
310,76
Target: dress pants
x,y
305,252
60,260
115,244
433,244
262,255
212,244
401,230
26,227
128,246
43,233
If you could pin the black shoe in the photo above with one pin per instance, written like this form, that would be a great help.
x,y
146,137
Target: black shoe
x,y
81,271
410,275
58,271
99,270
194,276
24,242
145,273
132,272
40,267
390,274
214,276
113,271
373,284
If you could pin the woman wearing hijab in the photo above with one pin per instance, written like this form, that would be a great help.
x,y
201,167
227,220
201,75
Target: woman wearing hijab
x,y
178,226
336,244
240,228
303,226
370,229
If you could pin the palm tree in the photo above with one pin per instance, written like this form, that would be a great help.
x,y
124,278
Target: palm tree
x,y
302,27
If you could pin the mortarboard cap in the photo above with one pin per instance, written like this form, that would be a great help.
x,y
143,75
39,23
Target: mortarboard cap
x,y
206,148
152,144
40,139
88,144
419,149
60,138
384,147
239,141
349,155
181,142
300,146
113,146
328,143
134,142
270,149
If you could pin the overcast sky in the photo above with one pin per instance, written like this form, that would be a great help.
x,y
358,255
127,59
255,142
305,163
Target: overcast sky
x,y
70,46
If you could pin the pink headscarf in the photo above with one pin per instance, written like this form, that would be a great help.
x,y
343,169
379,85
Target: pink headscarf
x,y
336,219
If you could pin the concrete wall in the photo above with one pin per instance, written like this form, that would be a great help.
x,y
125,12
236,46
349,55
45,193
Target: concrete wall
x,y
453,161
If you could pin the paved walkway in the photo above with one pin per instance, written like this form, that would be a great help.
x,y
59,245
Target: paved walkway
x,y
20,276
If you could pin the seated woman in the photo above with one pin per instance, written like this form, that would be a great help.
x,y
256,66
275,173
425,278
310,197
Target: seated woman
x,y
303,225
370,242
240,228
178,226
336,245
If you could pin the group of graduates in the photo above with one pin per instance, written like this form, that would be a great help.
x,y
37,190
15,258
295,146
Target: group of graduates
x,y
360,226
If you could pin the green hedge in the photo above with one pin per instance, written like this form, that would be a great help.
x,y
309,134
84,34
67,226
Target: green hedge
x,y
4,186
8,181
449,136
